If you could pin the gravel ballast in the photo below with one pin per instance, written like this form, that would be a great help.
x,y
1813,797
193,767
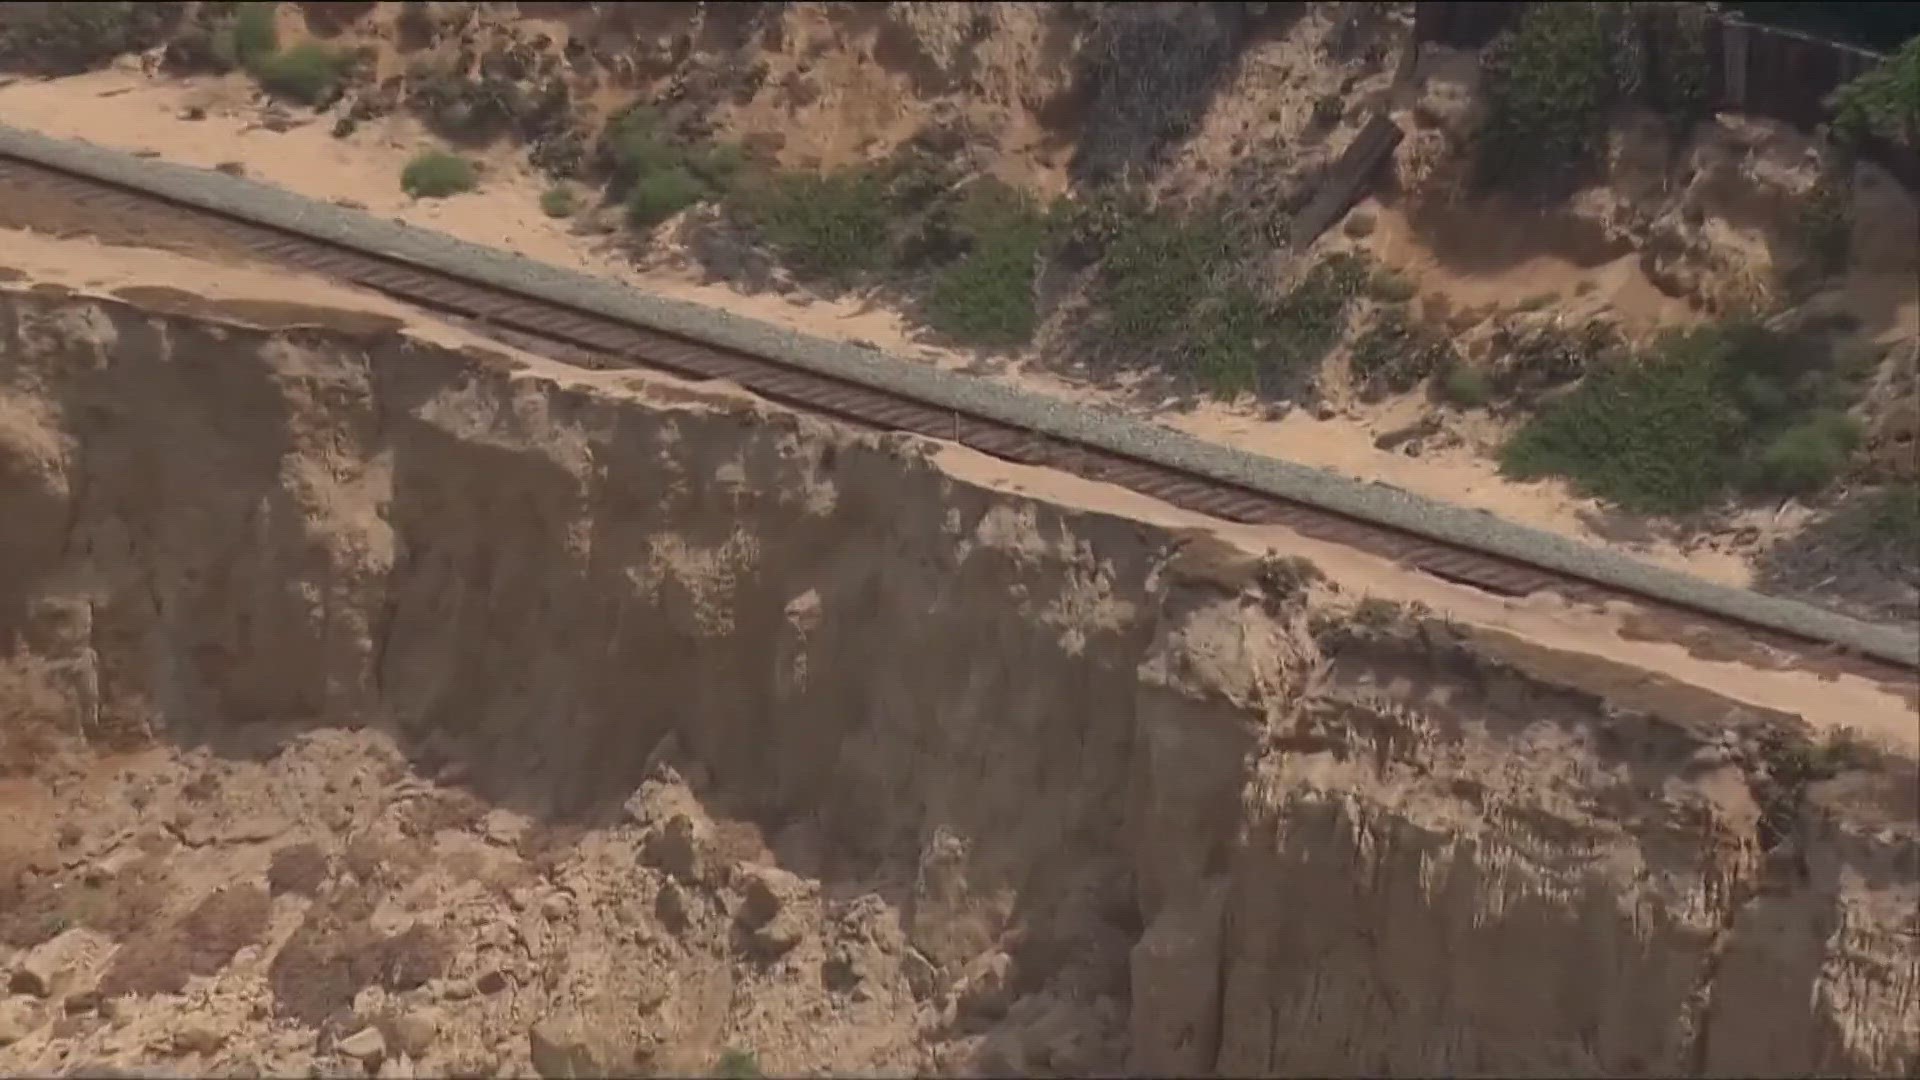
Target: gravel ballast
x,y
1389,506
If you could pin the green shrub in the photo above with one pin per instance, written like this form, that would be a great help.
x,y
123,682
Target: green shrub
x,y
68,38
1391,288
1891,514
1465,386
254,36
1653,436
987,297
306,73
1676,85
658,196
1170,290
1156,270
1823,237
436,175
1378,613
1734,405
830,225
1805,457
1550,84
1883,102
737,1065
636,146
559,202
1392,355
1308,320
717,164
1225,350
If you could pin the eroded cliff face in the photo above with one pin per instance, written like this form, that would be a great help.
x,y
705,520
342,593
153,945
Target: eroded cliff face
x,y
621,722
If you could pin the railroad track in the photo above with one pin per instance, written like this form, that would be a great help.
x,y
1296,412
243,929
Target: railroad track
x,y
100,190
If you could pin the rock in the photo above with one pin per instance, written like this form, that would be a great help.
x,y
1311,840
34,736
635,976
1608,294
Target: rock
x,y
671,907
456,990
196,1038
18,1019
569,1046
504,827
1359,223
767,891
986,986
491,982
678,848
64,964
919,973
841,971
777,937
367,1044
555,907
413,1032
84,1001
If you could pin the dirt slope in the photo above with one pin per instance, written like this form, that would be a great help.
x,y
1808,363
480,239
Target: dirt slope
x,y
379,702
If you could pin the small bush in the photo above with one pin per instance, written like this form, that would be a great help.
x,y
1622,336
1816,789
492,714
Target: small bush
x,y
1393,355
1308,320
307,73
255,36
1654,436
436,175
718,164
1732,405
658,196
1170,291
1805,457
1391,288
1465,387
987,297
559,202
65,39
737,1065
636,147
1890,515
1377,613
831,225
1823,237
1156,270
1883,102
1226,348
1551,83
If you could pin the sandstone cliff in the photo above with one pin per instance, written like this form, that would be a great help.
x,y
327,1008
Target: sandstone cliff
x,y
450,711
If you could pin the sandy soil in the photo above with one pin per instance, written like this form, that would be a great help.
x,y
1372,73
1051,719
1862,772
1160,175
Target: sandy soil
x,y
127,109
